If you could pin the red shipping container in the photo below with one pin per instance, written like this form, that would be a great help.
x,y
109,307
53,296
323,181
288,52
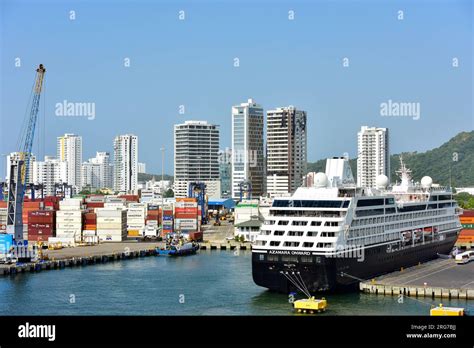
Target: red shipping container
x,y
186,210
40,226
95,205
3,204
468,213
37,231
197,236
185,216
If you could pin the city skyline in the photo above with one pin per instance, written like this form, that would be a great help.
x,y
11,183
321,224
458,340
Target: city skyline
x,y
400,66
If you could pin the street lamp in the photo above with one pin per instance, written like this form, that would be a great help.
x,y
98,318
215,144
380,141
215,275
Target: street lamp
x,y
162,184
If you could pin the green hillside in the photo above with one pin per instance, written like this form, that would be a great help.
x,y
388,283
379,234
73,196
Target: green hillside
x,y
456,155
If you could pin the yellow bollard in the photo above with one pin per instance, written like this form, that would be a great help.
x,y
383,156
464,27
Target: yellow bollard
x,y
401,269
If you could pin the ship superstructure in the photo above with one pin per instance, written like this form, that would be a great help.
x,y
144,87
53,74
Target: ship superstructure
x,y
334,234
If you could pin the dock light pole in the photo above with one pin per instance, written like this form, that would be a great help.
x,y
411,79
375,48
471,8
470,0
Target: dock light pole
x,y
162,184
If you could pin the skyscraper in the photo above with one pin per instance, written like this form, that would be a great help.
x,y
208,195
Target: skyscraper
x,y
373,155
225,172
97,172
247,146
286,150
49,172
126,163
196,149
69,149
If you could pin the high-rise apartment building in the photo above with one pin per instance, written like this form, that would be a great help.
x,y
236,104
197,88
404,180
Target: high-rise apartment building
x,y
286,150
69,149
141,167
126,163
97,172
247,148
373,155
49,172
196,151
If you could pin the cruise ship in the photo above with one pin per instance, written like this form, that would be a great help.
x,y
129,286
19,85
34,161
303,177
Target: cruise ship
x,y
332,235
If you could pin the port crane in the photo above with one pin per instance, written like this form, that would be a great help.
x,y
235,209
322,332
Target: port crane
x,y
245,186
198,190
18,170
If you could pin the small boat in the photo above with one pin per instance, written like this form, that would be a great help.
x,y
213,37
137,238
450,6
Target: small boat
x,y
177,245
446,311
179,250
310,305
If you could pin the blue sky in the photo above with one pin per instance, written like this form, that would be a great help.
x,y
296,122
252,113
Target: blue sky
x,y
190,62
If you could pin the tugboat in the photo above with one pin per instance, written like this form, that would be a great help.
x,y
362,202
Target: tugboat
x,y
177,245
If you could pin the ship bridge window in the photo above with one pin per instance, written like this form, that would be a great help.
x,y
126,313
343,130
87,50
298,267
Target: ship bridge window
x,y
295,233
370,202
274,243
278,233
389,210
389,201
444,197
444,205
308,245
345,204
432,206
312,234
299,223
316,223
281,203
328,234
331,223
291,244
411,208
283,223
433,198
369,212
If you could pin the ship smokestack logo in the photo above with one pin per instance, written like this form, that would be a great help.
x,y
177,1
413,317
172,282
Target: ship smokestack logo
x,y
75,109
400,109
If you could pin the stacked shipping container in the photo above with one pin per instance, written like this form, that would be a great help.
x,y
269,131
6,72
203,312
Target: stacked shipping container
x,y
111,224
167,219
136,214
69,221
41,225
467,233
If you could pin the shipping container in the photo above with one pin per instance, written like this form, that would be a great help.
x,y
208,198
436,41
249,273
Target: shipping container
x,y
68,213
468,213
467,220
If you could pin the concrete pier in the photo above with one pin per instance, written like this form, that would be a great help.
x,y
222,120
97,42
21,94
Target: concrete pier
x,y
105,252
441,278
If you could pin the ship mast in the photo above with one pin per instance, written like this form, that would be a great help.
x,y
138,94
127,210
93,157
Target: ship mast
x,y
404,173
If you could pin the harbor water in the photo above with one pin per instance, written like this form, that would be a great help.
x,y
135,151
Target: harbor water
x,y
209,283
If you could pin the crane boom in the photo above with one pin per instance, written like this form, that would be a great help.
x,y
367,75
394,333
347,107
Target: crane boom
x,y
18,170
30,131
